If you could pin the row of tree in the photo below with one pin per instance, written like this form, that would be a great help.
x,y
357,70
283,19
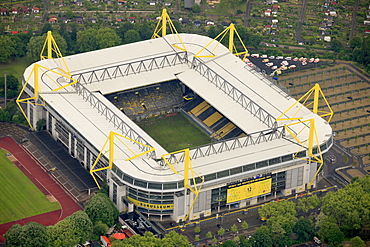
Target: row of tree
x,y
340,214
74,229
85,225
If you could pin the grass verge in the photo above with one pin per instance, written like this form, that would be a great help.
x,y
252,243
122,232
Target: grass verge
x,y
174,132
19,197
16,68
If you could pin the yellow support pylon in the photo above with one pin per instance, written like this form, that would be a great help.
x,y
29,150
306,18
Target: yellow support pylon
x,y
36,87
309,143
313,106
111,140
231,30
312,137
51,47
161,28
187,167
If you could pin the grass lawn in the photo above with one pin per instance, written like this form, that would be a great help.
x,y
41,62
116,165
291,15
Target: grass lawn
x,y
15,68
174,132
19,197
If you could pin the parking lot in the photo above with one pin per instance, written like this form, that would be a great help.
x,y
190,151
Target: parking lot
x,y
269,64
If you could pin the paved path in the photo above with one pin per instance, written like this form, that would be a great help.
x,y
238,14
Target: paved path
x,y
33,170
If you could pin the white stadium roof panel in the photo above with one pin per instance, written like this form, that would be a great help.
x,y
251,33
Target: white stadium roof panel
x,y
233,111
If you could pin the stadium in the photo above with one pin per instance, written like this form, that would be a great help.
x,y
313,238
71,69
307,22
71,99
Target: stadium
x,y
264,142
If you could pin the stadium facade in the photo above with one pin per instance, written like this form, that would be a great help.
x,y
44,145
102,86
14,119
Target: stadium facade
x,y
259,160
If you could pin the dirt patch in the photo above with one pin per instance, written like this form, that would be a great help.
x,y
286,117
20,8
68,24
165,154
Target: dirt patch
x,y
51,198
355,173
11,158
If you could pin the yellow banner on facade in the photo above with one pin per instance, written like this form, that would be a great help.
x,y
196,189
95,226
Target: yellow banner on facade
x,y
149,205
248,189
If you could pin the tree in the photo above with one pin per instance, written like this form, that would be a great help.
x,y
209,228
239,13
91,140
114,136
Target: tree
x,y
330,233
262,237
11,85
86,40
196,238
304,229
101,208
196,8
357,242
209,235
100,228
83,223
131,36
138,240
64,233
308,203
7,48
31,234
174,239
36,43
107,37
277,208
214,240
229,243
221,231
245,225
46,27
197,229
12,235
234,228
347,206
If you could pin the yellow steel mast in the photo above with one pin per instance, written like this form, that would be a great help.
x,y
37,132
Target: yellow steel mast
x,y
188,168
231,30
51,46
112,137
161,28
308,123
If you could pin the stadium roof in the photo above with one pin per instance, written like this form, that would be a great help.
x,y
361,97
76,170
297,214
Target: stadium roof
x,y
143,63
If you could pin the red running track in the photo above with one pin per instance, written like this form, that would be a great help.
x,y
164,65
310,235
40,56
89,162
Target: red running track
x,y
44,182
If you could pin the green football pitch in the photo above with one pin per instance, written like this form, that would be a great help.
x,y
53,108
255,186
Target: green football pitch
x,y
174,132
19,197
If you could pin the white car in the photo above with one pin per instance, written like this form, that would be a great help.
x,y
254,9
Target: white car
x,y
269,64
239,220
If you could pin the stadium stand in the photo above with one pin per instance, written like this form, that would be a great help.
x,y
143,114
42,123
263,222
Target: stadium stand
x,y
221,127
148,101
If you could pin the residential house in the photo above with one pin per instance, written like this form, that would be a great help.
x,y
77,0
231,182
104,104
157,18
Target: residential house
x,y
151,3
132,19
3,11
14,11
122,2
52,20
79,2
25,10
35,10
327,38
267,13
79,20
92,19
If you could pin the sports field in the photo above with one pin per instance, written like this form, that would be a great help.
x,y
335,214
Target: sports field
x,y
19,197
174,132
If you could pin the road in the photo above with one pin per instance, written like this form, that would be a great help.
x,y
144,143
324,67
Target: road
x,y
354,19
247,12
300,22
